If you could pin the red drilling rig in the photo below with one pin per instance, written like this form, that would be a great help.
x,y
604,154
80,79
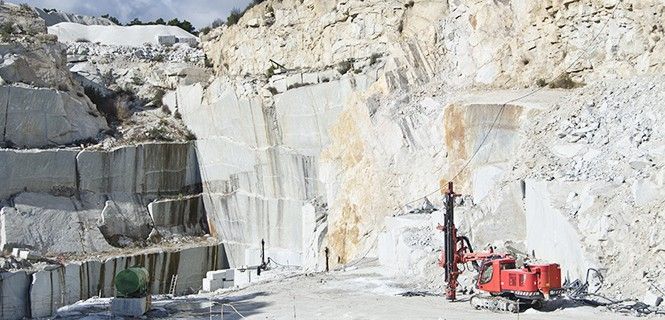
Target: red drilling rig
x,y
505,287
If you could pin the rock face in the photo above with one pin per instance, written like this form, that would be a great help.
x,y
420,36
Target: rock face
x,y
95,200
45,117
147,169
50,224
184,216
458,37
15,292
38,171
40,103
258,161
53,17
391,113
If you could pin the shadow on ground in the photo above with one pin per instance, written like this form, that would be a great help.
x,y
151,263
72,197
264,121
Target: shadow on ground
x,y
235,307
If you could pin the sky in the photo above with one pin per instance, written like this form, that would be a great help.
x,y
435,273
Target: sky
x,y
199,12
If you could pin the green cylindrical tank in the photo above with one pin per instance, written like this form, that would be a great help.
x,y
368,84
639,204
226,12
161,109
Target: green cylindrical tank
x,y
132,282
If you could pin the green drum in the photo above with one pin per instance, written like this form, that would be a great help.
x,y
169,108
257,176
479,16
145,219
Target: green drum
x,y
132,283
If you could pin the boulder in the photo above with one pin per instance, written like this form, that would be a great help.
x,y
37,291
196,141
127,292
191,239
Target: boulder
x,y
652,299
50,225
124,222
45,117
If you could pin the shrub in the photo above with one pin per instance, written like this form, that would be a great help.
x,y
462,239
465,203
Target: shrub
x,y
344,66
374,58
115,106
26,7
564,81
205,30
217,23
234,17
135,22
158,58
297,85
541,82
270,72
273,90
82,40
111,18
6,29
236,13
157,98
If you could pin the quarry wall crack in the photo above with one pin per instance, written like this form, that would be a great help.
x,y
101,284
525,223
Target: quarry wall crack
x,y
9,95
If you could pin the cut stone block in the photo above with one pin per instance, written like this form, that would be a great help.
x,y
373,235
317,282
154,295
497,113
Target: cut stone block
x,y
167,40
130,307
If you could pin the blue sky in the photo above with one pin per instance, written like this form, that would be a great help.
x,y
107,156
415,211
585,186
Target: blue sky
x,y
199,12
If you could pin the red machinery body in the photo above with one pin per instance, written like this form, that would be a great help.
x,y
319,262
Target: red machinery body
x,y
498,273
501,276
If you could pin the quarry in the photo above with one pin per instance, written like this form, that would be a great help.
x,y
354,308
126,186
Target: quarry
x,y
296,164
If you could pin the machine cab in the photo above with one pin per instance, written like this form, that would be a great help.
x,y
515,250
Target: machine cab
x,y
489,278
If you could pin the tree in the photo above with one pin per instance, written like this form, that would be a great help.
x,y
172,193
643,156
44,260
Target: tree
x,y
160,21
184,25
135,22
217,23
234,17
187,26
174,22
111,18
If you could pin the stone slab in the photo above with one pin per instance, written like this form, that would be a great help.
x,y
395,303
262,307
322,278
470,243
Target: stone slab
x,y
130,307
14,295
183,216
156,168
50,225
44,117
45,171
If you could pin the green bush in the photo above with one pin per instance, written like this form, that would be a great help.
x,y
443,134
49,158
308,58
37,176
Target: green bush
x,y
6,29
205,30
234,17
236,13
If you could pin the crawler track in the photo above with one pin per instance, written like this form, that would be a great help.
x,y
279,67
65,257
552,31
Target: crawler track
x,y
495,304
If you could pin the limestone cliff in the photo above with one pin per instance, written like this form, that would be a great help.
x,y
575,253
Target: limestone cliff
x,y
325,117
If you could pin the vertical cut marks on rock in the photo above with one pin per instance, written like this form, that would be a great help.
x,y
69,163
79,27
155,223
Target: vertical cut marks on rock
x,y
481,133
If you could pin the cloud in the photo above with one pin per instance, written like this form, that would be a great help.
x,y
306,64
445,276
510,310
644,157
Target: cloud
x,y
199,12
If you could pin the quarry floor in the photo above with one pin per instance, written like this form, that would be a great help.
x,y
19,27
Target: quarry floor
x,y
362,293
